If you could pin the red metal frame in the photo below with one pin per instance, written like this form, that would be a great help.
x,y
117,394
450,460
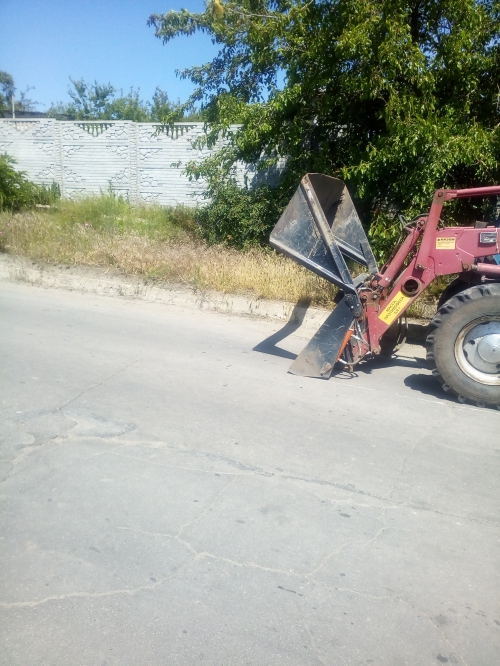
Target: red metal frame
x,y
444,252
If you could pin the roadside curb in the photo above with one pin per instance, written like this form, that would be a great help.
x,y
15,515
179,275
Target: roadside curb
x,y
97,281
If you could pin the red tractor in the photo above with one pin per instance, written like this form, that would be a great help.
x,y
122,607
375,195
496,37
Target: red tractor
x,y
321,230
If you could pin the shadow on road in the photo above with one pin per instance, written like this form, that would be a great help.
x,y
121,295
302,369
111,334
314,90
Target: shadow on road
x,y
269,345
427,385
422,383
381,362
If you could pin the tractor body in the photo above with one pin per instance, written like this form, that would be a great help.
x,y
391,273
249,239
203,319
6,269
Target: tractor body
x,y
320,229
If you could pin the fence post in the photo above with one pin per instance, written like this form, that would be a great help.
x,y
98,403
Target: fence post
x,y
133,192
59,154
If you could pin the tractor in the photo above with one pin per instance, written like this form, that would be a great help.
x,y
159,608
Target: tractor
x,y
321,230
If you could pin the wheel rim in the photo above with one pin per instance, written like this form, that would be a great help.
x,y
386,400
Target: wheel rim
x,y
477,350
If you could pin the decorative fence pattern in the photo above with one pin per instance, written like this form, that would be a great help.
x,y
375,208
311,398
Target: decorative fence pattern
x,y
141,161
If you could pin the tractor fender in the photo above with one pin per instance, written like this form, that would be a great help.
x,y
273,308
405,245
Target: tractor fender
x,y
461,283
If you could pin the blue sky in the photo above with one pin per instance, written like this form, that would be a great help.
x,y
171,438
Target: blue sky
x,y
44,42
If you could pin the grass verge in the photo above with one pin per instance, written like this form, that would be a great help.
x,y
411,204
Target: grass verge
x,y
160,244
156,243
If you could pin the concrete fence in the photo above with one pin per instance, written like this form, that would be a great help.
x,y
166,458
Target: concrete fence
x,y
141,161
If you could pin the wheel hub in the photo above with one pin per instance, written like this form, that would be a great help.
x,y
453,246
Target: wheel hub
x,y
489,348
477,350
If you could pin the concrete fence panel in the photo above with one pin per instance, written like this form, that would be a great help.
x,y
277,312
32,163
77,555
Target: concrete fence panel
x,y
142,161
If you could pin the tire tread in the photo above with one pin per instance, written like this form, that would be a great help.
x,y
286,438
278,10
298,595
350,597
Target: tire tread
x,y
446,309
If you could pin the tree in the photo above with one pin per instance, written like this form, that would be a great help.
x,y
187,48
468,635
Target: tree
x,y
396,97
97,101
7,90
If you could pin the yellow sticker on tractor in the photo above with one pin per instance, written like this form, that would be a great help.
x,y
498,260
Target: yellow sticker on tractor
x,y
447,243
395,307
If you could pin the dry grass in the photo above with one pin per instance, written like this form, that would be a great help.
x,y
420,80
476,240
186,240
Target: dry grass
x,y
162,244
170,254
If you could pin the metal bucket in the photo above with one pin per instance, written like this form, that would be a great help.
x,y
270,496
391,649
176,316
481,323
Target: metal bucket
x,y
319,229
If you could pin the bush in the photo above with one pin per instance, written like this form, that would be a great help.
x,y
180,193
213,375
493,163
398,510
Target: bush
x,y
17,192
239,216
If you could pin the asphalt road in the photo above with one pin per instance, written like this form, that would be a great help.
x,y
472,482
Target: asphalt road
x,y
172,496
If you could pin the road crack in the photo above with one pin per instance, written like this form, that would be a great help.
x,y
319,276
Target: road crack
x,y
94,595
206,509
96,386
362,542
412,451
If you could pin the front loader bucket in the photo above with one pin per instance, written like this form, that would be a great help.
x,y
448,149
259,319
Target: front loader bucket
x,y
319,226
319,229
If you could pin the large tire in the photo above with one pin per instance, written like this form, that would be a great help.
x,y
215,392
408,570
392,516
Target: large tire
x,y
463,345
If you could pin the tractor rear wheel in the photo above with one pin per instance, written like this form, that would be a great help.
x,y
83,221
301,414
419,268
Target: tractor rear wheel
x,y
463,345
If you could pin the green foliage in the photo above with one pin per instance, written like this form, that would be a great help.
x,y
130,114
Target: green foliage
x,y
237,216
96,101
99,102
109,212
384,234
395,97
7,89
17,192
